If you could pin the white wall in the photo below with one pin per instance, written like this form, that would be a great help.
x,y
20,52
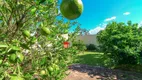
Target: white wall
x,y
88,39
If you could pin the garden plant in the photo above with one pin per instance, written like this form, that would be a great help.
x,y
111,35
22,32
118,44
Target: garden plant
x,y
31,42
122,42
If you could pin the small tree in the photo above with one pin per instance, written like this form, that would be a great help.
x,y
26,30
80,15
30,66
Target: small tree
x,y
31,44
122,41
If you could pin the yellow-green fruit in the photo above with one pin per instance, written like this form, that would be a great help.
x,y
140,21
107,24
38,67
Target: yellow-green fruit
x,y
20,57
1,61
45,31
56,61
71,9
26,33
50,68
33,10
42,72
12,57
56,67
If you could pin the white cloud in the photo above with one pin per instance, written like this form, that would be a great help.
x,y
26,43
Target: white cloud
x,y
98,29
126,13
140,24
112,18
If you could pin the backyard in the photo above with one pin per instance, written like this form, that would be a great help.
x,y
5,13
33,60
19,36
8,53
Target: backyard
x,y
41,40
97,66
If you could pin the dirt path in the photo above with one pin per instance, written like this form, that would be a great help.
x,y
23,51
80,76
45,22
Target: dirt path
x,y
85,72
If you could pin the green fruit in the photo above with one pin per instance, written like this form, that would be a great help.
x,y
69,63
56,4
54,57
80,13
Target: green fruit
x,y
50,68
12,57
56,61
35,73
20,57
71,9
45,31
1,61
16,78
26,33
56,67
33,10
42,72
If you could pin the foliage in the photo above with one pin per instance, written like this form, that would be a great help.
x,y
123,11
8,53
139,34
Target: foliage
x,y
91,47
79,45
129,67
103,60
31,44
122,41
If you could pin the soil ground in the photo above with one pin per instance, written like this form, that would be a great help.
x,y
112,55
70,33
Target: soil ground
x,y
85,72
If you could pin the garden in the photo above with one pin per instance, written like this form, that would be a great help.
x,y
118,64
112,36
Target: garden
x,y
118,57
32,45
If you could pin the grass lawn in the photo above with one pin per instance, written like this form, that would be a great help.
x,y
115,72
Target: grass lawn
x,y
93,59
125,72
99,59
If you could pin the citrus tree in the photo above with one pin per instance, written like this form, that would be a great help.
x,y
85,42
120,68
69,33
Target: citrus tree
x,y
31,41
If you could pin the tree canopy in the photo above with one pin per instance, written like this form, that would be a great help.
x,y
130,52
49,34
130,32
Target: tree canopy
x,y
122,41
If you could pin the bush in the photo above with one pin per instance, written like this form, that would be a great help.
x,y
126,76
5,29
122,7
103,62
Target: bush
x,y
130,67
91,47
122,41
79,45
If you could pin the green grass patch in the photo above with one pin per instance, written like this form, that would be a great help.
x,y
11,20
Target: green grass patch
x,y
99,59
93,59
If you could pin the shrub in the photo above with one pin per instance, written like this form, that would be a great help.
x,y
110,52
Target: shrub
x,y
122,41
91,47
79,45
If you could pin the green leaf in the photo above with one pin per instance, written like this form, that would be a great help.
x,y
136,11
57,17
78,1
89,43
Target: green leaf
x,y
3,46
25,46
15,48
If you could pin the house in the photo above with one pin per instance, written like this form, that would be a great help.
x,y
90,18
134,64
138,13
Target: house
x,y
88,39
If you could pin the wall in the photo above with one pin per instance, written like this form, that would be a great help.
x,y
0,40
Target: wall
x,y
88,39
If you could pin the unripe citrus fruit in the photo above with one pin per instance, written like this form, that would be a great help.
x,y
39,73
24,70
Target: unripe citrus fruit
x,y
50,68
45,31
20,57
13,57
71,9
1,61
42,72
26,33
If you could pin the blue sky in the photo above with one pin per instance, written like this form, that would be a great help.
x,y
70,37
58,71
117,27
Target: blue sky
x,y
97,13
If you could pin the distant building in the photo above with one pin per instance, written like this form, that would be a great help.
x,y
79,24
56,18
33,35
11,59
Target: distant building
x,y
88,39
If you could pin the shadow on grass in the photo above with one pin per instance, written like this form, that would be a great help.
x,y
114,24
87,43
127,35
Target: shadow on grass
x,y
99,59
100,62
93,59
